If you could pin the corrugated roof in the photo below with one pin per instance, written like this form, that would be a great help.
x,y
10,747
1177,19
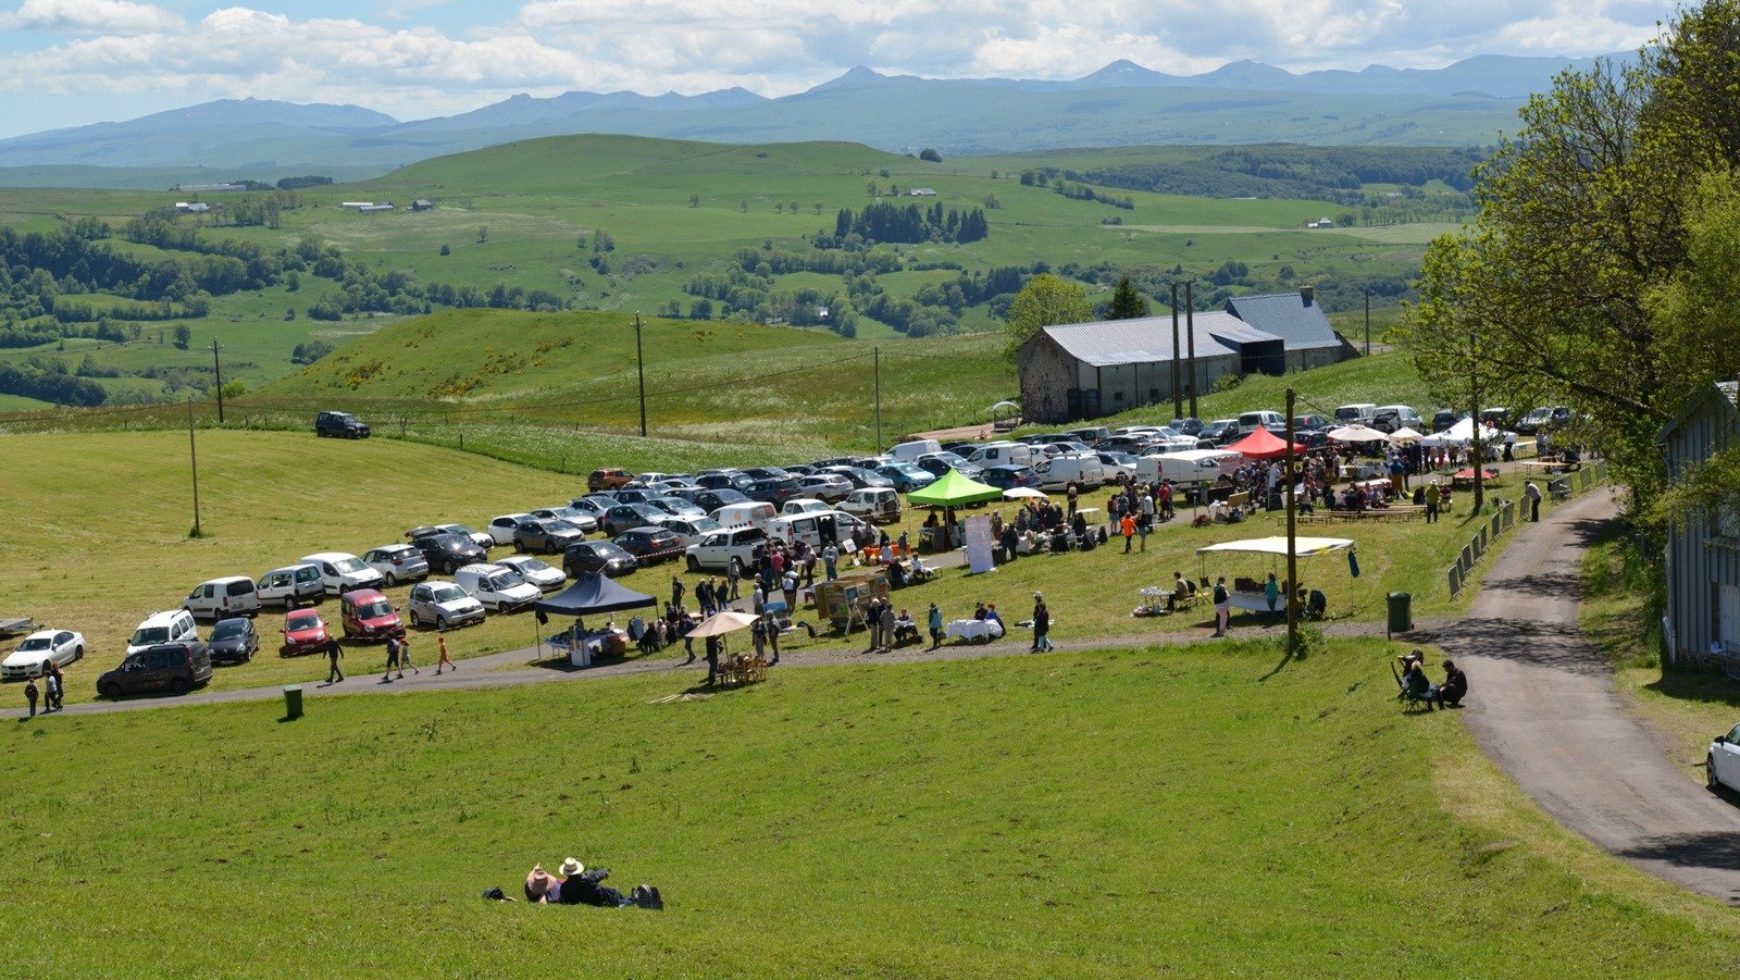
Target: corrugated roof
x,y
1286,315
1147,340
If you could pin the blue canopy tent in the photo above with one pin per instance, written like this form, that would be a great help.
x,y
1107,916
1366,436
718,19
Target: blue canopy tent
x,y
591,593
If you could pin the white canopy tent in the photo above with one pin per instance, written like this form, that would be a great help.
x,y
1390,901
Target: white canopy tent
x,y
1461,434
1357,433
1404,435
1303,547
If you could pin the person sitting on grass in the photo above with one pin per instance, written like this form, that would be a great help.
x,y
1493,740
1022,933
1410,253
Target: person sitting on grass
x,y
578,886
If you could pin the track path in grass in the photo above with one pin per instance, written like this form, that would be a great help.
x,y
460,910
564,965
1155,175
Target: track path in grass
x,y
1544,707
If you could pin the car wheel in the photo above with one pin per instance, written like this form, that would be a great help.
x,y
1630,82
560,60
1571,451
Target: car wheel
x,y
78,653
392,580
109,690
178,686
1710,779
441,623
694,566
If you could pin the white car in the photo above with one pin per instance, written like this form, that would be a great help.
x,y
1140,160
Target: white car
x,y
1722,764
497,588
501,529
534,572
442,605
32,656
803,505
340,573
716,551
690,530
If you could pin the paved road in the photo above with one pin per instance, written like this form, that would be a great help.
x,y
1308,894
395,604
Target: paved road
x,y
1544,707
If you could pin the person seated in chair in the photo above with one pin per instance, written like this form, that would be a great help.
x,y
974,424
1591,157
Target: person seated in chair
x,y
1455,686
1416,687
905,629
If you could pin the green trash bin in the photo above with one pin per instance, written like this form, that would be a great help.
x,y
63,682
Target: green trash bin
x,y
293,701
1401,612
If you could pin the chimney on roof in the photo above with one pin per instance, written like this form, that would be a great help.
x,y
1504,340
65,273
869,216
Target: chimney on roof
x,y
1308,294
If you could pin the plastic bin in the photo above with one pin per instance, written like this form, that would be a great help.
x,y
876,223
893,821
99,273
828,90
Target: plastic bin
x,y
293,701
1401,612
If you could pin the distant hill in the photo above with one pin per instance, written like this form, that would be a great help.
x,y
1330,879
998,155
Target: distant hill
x,y
1122,104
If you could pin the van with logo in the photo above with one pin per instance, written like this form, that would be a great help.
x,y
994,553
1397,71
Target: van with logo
x,y
751,513
221,598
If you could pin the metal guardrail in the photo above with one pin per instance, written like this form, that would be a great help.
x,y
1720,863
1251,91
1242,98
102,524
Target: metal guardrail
x,y
1505,517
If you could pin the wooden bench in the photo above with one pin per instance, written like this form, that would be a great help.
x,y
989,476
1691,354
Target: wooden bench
x,y
1397,512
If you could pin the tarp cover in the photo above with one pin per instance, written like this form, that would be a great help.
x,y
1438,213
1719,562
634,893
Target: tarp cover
x,y
1263,444
1404,434
1303,547
953,490
593,593
719,624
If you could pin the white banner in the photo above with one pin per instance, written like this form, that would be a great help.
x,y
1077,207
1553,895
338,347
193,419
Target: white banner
x,y
979,545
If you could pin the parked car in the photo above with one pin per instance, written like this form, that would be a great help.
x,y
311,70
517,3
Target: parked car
x,y
546,537
573,515
718,550
725,481
1091,435
608,478
637,495
690,530
1391,418
597,556
367,615
1722,763
775,491
677,507
499,590
175,626
37,650
446,552
592,506
443,605
650,545
1190,426
829,487
861,478
1082,469
1498,418
1010,476
1444,418
767,473
340,425
1543,419
1222,431
173,667
802,505
798,470
1119,467
304,632
291,586
1356,413
907,477
712,500
534,572
397,563
339,572
625,517
233,641
221,598
1306,423
501,528
874,504
483,540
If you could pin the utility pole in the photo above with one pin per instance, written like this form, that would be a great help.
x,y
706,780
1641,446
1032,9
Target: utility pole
x,y
876,352
1190,331
1177,389
1368,323
1474,417
1292,538
218,370
640,369
193,457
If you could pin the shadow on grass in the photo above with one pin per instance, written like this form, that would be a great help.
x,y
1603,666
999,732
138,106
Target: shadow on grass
x,y
1699,685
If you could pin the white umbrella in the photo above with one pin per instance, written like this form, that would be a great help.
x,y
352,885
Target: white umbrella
x,y
1405,434
1356,433
721,623
1024,493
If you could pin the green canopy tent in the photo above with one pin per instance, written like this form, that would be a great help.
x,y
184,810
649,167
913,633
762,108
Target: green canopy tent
x,y
953,490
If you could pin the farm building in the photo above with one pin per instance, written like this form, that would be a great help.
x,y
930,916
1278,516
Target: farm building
x,y
1703,555
422,204
1297,319
1085,370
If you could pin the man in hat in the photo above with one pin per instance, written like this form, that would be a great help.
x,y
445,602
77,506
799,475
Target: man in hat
x,y
1041,624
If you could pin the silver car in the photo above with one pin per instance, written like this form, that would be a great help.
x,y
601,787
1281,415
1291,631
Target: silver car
x,y
442,604
582,519
398,563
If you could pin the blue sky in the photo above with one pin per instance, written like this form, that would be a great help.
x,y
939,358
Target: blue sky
x,y
71,62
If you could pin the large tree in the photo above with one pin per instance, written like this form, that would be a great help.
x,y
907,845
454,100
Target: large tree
x,y
1562,289
1045,301
1127,303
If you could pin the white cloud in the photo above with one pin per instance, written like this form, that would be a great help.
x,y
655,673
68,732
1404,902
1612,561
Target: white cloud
x,y
91,17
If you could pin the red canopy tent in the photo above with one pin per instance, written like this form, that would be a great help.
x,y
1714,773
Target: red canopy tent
x,y
1263,444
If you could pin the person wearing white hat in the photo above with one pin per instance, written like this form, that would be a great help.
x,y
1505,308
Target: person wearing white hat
x,y
578,886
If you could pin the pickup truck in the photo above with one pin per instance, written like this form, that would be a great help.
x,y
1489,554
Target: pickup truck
x,y
719,549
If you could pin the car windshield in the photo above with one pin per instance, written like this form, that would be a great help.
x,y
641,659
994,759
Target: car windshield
x,y
605,549
502,581
447,593
35,643
229,628
346,566
558,526
154,634
306,621
568,513
531,565
374,610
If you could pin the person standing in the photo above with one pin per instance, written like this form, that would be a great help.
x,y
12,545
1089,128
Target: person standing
x,y
1272,595
935,622
758,600
1222,607
873,621
333,653
59,685
790,586
1074,493
1434,496
30,694
392,660
886,620
712,660
1041,624
1533,494
50,690
831,561
677,592
758,635
773,641
441,643
1129,529
405,656
733,577
1166,500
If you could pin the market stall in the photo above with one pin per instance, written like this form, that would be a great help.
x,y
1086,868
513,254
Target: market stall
x,y
591,594
950,491
1246,592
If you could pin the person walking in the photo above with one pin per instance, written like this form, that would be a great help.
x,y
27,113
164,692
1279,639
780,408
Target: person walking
x,y
1533,494
30,694
405,656
1222,607
1129,530
333,653
830,561
704,597
50,691
392,660
1041,624
935,622
758,634
441,644
59,679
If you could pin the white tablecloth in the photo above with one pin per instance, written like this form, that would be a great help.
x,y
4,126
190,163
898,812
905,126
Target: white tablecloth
x,y
974,630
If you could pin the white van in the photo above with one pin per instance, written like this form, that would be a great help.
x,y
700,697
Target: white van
x,y
1356,413
164,627
1390,418
291,585
749,513
1250,422
907,452
815,528
1083,469
221,598
873,504
498,589
1003,454
340,573
1191,468
803,505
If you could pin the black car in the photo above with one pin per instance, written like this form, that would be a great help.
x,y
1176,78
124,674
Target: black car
x,y
797,469
446,553
650,545
1190,426
712,500
546,536
725,481
625,517
233,641
340,425
768,473
941,463
597,556
775,491
1010,476
172,667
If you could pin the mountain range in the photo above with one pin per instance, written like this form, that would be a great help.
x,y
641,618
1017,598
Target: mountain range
x,y
1122,104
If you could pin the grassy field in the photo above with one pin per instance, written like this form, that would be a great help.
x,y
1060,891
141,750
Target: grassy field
x,y
1108,814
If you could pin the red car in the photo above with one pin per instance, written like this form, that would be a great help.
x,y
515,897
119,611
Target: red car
x,y
304,632
367,615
